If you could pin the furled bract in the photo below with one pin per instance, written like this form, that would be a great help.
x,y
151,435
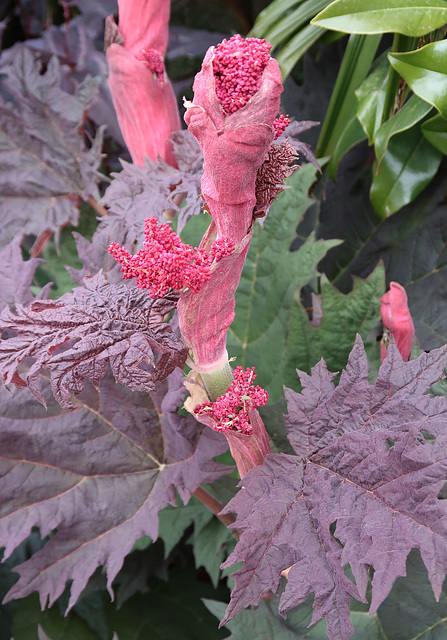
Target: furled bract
x,y
142,93
397,320
233,145
236,100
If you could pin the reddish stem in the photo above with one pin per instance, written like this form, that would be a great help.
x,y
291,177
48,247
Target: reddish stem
x,y
214,505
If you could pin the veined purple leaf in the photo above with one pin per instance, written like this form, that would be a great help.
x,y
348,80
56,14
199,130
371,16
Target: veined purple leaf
x,y
116,325
46,166
138,192
95,477
362,490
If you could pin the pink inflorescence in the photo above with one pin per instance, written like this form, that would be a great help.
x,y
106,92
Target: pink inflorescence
x,y
280,124
231,411
238,66
153,60
166,263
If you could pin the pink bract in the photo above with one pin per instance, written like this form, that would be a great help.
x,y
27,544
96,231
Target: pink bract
x,y
205,317
233,146
397,320
142,94
144,24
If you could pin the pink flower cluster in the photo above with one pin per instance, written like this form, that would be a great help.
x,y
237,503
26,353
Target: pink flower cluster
x,y
238,66
166,263
153,60
231,412
280,124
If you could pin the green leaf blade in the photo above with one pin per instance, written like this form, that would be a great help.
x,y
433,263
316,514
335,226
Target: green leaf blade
x,y
343,317
371,99
408,17
435,131
408,165
425,70
411,113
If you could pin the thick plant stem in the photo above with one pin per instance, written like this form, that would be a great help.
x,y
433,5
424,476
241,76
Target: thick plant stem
x,y
217,382
96,206
213,505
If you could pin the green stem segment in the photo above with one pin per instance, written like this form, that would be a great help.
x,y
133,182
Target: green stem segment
x,y
217,382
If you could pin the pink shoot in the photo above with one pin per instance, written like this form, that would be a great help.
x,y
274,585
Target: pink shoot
x,y
397,320
167,263
231,412
143,97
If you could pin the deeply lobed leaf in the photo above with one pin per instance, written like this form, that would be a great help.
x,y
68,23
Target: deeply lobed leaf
x,y
107,324
371,460
45,163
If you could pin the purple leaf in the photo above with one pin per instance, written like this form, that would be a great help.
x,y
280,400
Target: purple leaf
x,y
45,164
96,477
106,324
95,255
138,192
16,276
372,460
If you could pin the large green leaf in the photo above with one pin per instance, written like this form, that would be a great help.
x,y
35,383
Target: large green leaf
x,y
412,112
408,165
264,622
411,612
371,98
52,621
409,17
435,130
343,317
425,70
270,276
272,14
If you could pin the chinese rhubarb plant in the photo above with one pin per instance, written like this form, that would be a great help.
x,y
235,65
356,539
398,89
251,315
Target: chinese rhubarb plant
x,y
318,460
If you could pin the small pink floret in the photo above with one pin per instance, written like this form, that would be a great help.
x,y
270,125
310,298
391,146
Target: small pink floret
x,y
280,124
166,262
153,60
231,412
238,66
